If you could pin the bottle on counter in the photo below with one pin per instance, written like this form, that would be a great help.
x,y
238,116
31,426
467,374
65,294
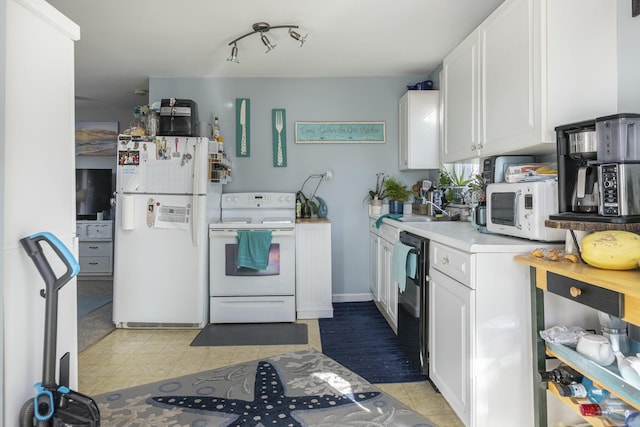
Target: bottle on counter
x,y
563,375
298,207
584,389
217,136
611,409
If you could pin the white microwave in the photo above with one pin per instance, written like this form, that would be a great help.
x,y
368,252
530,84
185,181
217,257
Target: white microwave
x,y
520,209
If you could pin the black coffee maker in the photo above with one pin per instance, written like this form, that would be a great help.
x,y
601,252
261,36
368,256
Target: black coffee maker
x,y
599,170
578,189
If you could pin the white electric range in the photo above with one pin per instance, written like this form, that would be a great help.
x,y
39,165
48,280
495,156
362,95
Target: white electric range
x,y
244,295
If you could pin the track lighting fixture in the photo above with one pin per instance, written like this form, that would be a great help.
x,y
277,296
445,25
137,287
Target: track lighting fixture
x,y
262,28
234,54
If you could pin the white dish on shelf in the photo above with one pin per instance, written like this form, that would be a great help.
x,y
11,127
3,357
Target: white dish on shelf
x,y
596,348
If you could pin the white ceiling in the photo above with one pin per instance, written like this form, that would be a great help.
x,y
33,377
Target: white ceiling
x,y
124,42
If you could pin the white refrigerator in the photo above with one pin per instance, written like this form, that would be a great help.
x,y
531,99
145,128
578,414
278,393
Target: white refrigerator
x,y
160,277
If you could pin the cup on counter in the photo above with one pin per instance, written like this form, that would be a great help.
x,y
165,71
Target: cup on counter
x,y
596,348
100,216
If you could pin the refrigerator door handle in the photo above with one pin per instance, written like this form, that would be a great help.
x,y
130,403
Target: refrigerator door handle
x,y
196,167
195,211
194,216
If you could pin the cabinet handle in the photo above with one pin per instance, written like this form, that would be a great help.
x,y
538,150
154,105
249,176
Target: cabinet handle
x,y
473,147
445,260
575,292
93,263
93,247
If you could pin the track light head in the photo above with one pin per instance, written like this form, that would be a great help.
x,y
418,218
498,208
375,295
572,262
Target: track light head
x,y
296,36
234,54
267,43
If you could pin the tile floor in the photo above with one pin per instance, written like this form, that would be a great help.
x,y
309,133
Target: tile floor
x,y
128,357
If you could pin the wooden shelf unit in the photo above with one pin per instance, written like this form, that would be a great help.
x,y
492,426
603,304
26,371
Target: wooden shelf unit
x,y
625,283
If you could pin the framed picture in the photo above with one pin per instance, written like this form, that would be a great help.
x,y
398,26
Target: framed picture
x,y
340,132
96,138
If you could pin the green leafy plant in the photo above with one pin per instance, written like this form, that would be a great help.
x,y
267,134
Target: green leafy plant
x,y
379,193
454,178
477,188
396,190
310,203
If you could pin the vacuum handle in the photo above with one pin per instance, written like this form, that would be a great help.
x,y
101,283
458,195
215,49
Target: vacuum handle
x,y
43,401
32,246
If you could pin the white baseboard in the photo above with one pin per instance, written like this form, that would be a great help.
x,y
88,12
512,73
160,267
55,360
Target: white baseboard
x,y
352,297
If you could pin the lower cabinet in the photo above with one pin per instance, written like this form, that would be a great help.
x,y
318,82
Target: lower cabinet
x,y
450,354
313,270
383,287
480,346
95,248
389,287
374,267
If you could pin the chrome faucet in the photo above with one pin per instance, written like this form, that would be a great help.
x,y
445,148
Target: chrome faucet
x,y
438,208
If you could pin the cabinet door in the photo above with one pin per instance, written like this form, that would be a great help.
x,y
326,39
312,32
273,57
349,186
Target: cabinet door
x,y
374,272
450,323
385,272
390,287
510,78
419,130
460,94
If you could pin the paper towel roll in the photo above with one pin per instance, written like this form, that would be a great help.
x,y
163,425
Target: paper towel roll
x,y
127,213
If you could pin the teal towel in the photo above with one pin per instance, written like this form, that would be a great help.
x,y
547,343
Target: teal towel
x,y
253,249
392,216
399,271
412,259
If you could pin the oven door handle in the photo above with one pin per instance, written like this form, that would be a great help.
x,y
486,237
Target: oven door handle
x,y
234,233
516,210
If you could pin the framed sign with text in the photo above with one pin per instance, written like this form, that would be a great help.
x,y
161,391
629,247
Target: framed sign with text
x,y
340,132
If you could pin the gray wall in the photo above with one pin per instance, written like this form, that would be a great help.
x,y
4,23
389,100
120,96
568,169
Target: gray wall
x,y
628,59
354,165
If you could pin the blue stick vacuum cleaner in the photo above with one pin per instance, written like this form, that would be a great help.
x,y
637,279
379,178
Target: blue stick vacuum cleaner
x,y
55,405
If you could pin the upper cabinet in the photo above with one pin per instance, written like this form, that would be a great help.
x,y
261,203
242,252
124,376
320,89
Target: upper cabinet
x,y
529,67
419,130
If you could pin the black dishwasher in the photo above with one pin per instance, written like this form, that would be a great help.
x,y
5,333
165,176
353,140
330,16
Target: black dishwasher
x,y
413,305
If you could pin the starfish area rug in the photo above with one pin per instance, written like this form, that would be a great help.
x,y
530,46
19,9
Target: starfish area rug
x,y
304,388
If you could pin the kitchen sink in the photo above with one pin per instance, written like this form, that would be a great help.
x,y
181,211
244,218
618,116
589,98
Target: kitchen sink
x,y
423,218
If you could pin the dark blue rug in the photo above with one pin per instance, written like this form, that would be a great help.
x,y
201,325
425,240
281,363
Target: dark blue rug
x,y
359,338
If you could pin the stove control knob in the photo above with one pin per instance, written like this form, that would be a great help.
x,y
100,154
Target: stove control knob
x,y
231,199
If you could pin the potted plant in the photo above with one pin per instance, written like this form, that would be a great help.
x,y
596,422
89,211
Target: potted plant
x,y
456,182
476,189
309,206
376,196
397,193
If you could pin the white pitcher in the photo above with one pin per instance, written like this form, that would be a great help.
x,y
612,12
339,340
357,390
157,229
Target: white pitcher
x,y
629,368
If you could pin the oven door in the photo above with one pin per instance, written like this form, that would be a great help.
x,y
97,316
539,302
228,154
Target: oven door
x,y
226,279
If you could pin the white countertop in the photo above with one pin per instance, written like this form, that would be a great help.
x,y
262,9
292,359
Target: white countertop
x,y
460,235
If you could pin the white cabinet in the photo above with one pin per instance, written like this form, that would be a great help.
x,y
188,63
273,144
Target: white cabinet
x,y
419,130
460,101
374,267
95,248
450,354
384,239
479,334
313,270
529,67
